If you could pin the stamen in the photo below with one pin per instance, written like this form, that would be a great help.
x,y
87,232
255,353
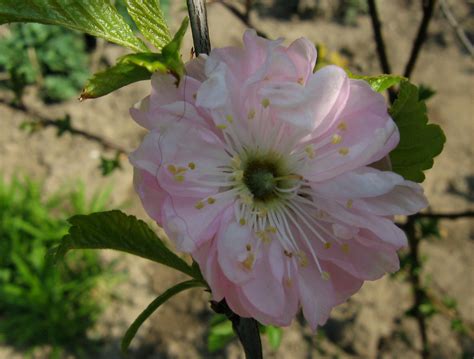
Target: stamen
x,y
302,259
325,275
345,248
251,114
211,200
199,205
172,169
222,126
229,118
336,139
309,149
179,178
327,245
242,222
342,126
349,203
344,151
265,102
300,81
248,262
192,165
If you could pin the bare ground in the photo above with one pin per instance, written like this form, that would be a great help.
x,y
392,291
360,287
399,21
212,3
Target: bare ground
x,y
372,323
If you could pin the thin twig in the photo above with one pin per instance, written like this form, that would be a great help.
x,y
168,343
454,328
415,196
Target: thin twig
x,y
455,25
418,291
428,7
49,122
244,17
380,44
198,18
454,215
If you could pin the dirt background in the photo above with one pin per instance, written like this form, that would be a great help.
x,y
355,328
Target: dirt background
x,y
372,323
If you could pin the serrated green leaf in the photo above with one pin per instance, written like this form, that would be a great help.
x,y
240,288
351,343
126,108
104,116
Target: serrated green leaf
x,y
132,330
95,17
122,232
113,78
380,83
419,142
150,20
137,67
274,336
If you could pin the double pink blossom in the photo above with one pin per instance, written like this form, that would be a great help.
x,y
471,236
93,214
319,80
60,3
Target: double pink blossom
x,y
260,169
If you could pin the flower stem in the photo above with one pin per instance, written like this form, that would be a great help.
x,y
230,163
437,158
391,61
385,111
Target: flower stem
x,y
246,329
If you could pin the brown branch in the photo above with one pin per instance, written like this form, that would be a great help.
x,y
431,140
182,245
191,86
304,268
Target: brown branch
x,y
244,17
49,122
428,7
453,215
455,25
380,44
198,18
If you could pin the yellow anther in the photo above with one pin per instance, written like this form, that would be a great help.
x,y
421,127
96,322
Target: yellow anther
x,y
263,236
229,118
327,245
345,248
195,95
271,229
248,247
251,114
343,151
238,175
199,205
342,126
221,127
172,169
265,102
309,151
181,170
211,200
301,81
262,212
336,139
236,161
302,259
349,203
246,199
325,275
242,222
192,165
288,282
179,178
248,262
287,253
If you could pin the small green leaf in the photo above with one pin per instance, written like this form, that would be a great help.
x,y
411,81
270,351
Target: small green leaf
x,y
425,92
150,20
274,336
116,230
109,165
95,17
220,334
380,83
132,330
113,78
419,142
137,67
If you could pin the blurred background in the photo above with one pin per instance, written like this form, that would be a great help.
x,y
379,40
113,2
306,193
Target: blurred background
x,y
61,157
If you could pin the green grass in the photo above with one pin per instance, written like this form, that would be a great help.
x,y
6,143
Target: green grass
x,y
42,304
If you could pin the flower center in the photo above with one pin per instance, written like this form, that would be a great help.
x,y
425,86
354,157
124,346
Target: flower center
x,y
260,179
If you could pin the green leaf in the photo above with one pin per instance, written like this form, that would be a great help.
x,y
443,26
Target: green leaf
x,y
380,83
95,17
150,20
116,230
132,330
137,67
274,336
220,334
419,142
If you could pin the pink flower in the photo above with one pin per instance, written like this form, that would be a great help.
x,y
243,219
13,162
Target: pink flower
x,y
259,168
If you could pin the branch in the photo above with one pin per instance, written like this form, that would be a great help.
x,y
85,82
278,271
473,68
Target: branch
x,y
380,44
198,18
48,122
428,7
454,215
244,17
455,25
377,28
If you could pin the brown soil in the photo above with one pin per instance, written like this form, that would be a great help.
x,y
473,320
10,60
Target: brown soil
x,y
372,324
